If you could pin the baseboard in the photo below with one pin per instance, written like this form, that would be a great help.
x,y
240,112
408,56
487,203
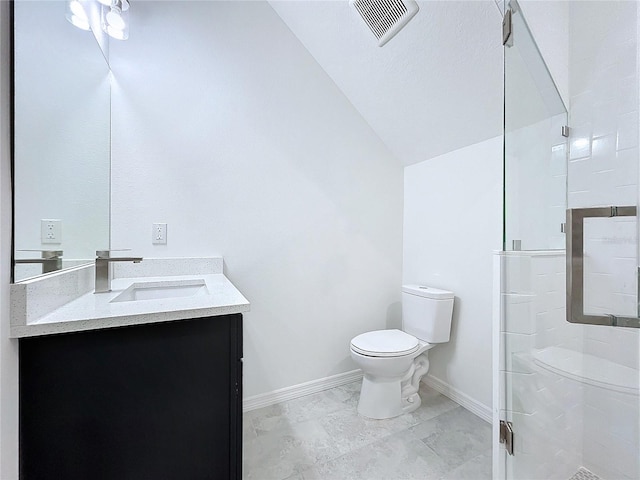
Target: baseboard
x,y
459,397
315,386
300,390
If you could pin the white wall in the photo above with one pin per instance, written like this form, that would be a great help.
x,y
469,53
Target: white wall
x,y
452,224
226,128
8,348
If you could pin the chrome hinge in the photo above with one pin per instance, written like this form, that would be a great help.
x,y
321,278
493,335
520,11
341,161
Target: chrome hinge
x,y
506,435
566,131
507,29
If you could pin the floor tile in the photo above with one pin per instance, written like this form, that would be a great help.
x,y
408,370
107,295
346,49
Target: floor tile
x,y
248,432
274,417
287,451
398,456
351,431
433,404
456,435
322,437
478,468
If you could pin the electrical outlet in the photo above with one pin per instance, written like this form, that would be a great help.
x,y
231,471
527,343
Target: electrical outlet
x,y
159,234
51,231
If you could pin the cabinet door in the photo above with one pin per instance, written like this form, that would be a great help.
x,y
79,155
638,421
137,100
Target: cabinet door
x,y
146,402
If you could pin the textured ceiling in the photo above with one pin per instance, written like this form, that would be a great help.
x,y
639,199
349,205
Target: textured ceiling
x,y
434,88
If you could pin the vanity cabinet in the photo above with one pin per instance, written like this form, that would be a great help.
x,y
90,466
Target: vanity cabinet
x,y
155,401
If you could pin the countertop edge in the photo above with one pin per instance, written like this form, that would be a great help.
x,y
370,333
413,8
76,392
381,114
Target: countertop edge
x,y
35,330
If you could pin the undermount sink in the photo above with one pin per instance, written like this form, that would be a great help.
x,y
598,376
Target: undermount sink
x,y
162,290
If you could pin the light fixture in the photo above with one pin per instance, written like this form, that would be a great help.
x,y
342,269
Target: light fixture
x,y
77,15
114,19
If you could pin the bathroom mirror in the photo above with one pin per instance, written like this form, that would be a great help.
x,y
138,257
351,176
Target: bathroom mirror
x,y
61,141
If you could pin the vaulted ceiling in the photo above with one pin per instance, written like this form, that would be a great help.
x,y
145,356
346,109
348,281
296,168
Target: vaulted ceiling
x,y
435,87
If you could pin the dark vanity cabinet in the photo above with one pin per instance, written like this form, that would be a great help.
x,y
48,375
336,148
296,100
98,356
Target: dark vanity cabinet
x,y
155,401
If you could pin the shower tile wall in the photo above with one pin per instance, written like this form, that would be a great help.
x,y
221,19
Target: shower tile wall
x,y
561,424
545,408
603,170
603,165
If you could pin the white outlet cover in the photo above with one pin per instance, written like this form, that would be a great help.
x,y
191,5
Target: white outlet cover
x,y
51,231
159,234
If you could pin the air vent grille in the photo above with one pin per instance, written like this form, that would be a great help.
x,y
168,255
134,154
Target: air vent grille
x,y
385,18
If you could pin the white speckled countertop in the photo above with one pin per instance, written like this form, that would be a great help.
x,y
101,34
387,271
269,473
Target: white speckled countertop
x,y
73,309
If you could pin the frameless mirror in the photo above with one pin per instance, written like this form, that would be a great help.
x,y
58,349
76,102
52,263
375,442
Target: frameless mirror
x,y
61,141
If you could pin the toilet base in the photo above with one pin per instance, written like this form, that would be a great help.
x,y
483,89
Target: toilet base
x,y
380,398
384,397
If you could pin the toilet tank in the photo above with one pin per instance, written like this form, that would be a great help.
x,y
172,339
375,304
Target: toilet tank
x,y
427,312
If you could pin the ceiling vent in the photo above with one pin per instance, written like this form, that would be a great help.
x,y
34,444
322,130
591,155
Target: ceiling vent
x,y
385,18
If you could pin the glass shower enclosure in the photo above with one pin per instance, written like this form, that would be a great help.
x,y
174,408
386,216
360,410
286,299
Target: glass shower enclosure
x,y
569,364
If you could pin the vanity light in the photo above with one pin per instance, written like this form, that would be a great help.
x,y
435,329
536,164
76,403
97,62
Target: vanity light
x,y
77,15
114,19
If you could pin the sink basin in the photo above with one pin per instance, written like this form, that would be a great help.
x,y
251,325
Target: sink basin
x,y
162,290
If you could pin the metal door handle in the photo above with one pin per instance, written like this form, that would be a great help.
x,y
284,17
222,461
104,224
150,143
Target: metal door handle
x,y
575,266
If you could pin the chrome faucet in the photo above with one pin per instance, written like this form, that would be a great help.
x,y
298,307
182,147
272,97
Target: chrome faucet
x,y
103,269
51,260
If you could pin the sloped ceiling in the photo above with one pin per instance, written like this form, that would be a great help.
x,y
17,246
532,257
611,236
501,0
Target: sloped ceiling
x,y
434,88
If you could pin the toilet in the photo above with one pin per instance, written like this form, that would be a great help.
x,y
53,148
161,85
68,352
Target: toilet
x,y
394,361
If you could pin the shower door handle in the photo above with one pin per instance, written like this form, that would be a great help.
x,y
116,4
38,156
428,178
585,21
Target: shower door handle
x,y
575,266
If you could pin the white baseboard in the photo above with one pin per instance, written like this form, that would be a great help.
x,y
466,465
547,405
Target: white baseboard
x,y
300,390
315,386
460,398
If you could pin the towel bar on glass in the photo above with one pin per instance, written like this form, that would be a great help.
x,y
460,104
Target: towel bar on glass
x,y
575,266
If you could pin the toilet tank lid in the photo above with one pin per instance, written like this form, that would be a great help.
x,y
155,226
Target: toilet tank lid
x,y
428,292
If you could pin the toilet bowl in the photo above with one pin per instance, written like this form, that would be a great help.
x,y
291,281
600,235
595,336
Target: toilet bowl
x,y
393,361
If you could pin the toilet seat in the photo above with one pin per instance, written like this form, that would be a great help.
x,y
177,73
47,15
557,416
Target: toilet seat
x,y
385,343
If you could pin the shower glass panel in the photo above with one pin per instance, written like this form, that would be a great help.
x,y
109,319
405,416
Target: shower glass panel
x,y
570,391
535,149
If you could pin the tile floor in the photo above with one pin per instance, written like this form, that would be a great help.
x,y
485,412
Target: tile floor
x,y
321,437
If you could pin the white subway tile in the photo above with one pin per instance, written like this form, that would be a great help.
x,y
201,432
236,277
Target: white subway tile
x,y
624,195
580,142
628,94
581,111
558,160
579,175
517,270
519,315
603,151
517,351
627,130
604,119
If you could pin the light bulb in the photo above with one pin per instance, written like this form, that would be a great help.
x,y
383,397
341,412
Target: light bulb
x,y
116,33
115,20
76,15
79,22
77,9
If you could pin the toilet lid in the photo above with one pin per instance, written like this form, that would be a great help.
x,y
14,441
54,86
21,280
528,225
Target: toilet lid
x,y
385,343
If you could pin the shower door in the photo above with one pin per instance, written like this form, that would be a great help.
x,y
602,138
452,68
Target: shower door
x,y
568,361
